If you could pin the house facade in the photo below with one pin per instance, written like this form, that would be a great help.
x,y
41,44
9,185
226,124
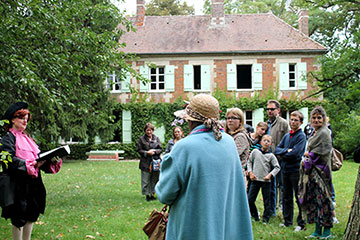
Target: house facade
x,y
243,55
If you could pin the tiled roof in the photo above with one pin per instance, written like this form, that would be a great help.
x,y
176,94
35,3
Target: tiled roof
x,y
245,33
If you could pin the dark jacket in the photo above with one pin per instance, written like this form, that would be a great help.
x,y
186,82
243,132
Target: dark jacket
x,y
29,194
145,145
290,161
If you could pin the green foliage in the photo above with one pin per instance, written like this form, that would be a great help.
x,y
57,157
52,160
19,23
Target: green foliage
x,y
56,55
168,8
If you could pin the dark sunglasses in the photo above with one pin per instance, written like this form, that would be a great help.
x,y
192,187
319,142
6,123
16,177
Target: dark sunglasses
x,y
270,109
232,118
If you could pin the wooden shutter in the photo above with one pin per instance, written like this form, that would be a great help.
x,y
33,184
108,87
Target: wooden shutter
x,y
170,78
305,112
205,77
301,73
258,116
284,76
188,77
125,85
257,76
126,126
231,77
144,72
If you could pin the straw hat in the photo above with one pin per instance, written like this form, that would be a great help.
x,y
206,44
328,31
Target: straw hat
x,y
200,107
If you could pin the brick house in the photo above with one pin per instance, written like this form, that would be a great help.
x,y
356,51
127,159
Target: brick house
x,y
241,54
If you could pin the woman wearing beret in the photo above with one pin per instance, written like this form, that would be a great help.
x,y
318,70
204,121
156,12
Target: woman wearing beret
x,y
29,194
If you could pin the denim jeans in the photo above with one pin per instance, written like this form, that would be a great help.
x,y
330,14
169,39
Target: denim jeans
x,y
255,187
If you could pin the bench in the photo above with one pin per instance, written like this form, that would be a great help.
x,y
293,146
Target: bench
x,y
105,155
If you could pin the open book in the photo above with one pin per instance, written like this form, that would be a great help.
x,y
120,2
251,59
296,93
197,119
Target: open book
x,y
56,152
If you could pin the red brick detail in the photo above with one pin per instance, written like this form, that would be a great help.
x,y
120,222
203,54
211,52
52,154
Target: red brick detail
x,y
179,77
110,157
220,73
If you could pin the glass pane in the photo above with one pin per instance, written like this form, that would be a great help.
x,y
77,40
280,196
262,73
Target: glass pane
x,y
161,86
161,78
292,75
248,115
161,70
153,78
291,67
118,86
153,86
292,84
153,71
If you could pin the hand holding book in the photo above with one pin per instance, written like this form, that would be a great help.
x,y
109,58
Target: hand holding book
x,y
55,154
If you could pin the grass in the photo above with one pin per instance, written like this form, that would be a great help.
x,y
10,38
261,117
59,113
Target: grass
x,y
102,200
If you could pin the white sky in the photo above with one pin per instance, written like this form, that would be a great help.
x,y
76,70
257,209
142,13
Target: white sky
x,y
130,5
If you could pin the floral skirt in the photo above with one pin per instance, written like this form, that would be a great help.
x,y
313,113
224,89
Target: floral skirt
x,y
319,207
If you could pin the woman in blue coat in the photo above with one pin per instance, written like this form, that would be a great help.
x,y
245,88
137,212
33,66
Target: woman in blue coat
x,y
202,180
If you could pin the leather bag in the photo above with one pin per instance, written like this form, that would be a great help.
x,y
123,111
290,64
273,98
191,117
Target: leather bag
x,y
7,190
336,160
155,227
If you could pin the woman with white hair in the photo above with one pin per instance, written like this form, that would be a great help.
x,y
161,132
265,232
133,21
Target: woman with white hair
x,y
202,181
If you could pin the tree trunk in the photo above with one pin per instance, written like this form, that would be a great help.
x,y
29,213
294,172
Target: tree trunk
x,y
352,231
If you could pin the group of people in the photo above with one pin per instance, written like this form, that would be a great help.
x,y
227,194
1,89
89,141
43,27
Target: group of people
x,y
199,176
210,179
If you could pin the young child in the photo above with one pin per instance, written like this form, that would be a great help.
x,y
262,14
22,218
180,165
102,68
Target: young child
x,y
259,166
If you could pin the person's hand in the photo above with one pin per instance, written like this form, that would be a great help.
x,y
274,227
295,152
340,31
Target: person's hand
x,y
151,152
268,177
252,176
39,164
55,159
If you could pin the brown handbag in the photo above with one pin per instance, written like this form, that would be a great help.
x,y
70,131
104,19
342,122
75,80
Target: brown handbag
x,y
155,227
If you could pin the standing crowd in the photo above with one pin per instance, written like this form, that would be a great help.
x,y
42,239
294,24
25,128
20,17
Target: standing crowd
x,y
210,179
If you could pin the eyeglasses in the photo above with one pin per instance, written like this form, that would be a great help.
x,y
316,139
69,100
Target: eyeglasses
x,y
232,118
270,109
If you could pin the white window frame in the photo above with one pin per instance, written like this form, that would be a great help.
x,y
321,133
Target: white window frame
x,y
157,76
246,119
114,82
295,79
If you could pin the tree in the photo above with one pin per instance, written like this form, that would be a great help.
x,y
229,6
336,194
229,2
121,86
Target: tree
x,y
56,55
168,8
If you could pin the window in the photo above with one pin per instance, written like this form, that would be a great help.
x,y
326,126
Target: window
x,y
292,75
113,82
157,78
243,76
249,118
197,78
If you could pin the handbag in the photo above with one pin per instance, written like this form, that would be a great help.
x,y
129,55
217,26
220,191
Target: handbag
x,y
7,190
336,160
155,227
155,165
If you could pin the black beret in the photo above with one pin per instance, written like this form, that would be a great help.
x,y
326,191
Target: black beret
x,y
13,108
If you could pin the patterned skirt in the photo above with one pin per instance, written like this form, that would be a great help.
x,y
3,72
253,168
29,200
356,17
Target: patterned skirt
x,y
319,206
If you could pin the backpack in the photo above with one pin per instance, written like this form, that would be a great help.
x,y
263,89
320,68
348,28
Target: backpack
x,y
336,159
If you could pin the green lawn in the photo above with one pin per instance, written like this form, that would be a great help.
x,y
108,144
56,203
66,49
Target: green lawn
x,y
102,200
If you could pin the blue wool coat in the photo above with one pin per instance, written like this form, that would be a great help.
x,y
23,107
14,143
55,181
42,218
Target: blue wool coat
x,y
202,180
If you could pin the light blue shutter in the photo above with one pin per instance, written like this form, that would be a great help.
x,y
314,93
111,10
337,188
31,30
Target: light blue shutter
x,y
205,77
257,76
258,116
284,76
144,72
126,126
188,77
160,133
231,77
170,78
125,85
301,72
305,112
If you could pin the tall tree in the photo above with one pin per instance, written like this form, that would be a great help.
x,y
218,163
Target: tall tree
x,y
55,55
168,8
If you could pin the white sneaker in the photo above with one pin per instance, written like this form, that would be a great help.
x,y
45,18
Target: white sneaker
x,y
282,225
335,221
298,229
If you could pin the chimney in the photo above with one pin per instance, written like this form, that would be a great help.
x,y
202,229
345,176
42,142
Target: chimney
x,y
304,22
140,12
217,13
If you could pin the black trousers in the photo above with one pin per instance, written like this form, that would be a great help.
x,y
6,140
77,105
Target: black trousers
x,y
290,183
255,187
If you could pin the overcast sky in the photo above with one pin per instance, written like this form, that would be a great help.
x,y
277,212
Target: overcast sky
x,y
130,5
